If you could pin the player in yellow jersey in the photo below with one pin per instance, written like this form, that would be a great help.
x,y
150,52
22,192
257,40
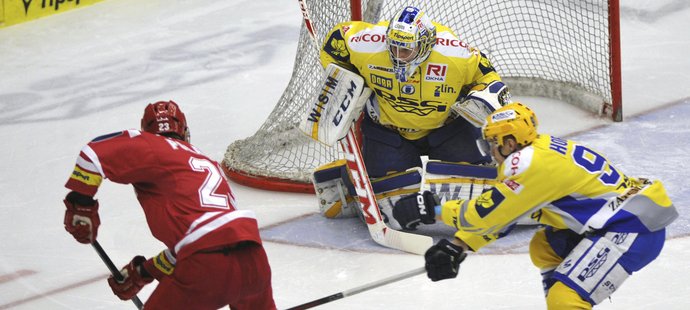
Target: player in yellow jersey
x,y
600,225
417,70
430,94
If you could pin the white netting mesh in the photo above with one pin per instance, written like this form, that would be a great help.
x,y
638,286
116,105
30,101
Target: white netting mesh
x,y
552,48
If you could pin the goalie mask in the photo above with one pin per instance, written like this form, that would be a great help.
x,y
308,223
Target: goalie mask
x,y
165,118
410,38
514,119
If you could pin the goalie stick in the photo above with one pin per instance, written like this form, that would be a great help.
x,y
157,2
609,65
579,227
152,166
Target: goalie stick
x,y
116,273
359,289
379,231
307,22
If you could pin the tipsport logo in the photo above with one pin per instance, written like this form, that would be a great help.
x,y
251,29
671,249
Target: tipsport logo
x,y
52,4
402,36
79,175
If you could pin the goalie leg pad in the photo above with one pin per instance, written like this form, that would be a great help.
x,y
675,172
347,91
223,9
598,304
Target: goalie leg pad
x,y
454,181
391,188
335,191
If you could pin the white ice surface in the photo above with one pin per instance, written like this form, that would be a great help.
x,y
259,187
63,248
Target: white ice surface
x,y
68,78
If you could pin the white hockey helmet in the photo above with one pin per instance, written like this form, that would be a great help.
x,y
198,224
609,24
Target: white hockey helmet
x,y
410,38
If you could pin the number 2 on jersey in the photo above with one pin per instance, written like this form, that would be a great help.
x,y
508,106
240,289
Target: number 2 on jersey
x,y
207,191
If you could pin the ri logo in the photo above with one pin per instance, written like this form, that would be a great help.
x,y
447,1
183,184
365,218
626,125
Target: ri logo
x,y
436,72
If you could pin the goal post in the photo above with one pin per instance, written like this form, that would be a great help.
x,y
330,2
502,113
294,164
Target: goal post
x,y
560,49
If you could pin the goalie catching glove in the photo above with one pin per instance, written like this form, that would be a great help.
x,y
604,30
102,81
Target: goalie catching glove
x,y
414,209
481,101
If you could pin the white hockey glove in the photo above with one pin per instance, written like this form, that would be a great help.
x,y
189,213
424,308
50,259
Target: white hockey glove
x,y
481,101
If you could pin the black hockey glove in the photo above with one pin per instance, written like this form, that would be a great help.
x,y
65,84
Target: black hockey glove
x,y
414,209
443,260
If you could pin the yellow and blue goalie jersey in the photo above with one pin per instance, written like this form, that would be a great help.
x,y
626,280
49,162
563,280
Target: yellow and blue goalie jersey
x,y
422,103
565,185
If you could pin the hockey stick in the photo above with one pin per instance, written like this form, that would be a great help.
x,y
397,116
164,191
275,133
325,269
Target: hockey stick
x,y
359,289
116,273
307,22
378,229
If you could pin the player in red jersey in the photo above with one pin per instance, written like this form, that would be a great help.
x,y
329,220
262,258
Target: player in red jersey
x,y
214,255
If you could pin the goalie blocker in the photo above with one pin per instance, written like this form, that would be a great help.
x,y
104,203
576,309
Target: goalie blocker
x,y
450,181
336,107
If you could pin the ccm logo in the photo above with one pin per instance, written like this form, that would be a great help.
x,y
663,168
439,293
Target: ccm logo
x,y
436,72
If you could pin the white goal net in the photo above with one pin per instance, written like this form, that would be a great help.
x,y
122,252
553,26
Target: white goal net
x,y
561,49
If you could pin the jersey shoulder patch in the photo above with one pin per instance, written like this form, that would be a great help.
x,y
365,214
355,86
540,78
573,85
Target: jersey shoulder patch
x,y
485,65
335,45
488,201
517,162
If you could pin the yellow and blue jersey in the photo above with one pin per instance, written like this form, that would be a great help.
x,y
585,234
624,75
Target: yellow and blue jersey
x,y
565,185
422,103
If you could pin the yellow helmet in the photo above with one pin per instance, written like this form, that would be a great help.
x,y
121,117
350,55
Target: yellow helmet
x,y
514,119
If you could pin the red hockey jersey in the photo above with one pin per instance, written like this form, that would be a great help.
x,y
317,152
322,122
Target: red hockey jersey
x,y
187,200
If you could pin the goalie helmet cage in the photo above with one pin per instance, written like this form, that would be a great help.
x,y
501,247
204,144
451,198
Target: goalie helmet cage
x,y
561,49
